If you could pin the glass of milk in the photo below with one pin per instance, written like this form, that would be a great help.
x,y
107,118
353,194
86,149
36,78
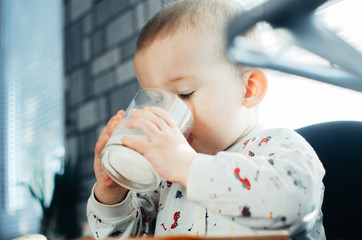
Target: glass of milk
x,y
126,166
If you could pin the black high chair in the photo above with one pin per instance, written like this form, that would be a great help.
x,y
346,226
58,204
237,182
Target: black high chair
x,y
338,144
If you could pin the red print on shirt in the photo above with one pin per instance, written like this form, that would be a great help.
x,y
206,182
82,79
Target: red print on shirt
x,y
247,141
176,216
244,181
163,225
265,140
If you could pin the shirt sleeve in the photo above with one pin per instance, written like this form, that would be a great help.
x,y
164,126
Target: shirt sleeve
x,y
274,181
137,211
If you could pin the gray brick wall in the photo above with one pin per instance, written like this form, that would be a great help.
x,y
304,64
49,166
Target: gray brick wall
x,y
99,42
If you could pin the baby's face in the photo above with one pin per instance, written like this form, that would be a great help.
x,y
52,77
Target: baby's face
x,y
187,65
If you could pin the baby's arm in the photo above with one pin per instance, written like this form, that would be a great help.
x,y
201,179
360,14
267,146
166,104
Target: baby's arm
x,y
274,181
111,208
137,211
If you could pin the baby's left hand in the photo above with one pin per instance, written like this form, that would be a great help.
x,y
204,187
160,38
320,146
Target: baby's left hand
x,y
166,148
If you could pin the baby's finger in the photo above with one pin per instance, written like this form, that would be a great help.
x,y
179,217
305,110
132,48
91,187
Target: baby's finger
x,y
121,113
111,127
162,114
137,144
159,122
106,131
147,127
113,119
100,145
113,123
103,132
118,117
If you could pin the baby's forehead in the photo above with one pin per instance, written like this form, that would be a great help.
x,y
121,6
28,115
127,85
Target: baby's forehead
x,y
203,35
201,47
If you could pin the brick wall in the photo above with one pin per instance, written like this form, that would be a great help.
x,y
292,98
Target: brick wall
x,y
99,43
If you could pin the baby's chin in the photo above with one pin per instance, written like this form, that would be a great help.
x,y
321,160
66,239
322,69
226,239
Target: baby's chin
x,y
207,147
205,150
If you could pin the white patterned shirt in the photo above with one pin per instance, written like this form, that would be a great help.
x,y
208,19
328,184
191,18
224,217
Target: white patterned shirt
x,y
269,180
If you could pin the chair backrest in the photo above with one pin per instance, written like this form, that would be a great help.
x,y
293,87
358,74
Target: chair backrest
x,y
339,147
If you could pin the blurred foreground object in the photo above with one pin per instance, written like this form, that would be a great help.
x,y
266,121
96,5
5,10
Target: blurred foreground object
x,y
296,18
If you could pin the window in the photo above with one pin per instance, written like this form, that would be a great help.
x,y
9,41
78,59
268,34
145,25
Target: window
x,y
31,107
295,102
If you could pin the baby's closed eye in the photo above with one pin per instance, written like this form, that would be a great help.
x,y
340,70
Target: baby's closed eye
x,y
185,95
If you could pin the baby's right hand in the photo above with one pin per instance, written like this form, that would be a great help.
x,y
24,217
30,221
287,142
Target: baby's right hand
x,y
106,190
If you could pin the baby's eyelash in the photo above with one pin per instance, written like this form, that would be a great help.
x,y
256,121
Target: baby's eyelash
x,y
185,96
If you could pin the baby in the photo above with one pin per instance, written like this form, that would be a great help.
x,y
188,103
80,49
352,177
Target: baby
x,y
231,176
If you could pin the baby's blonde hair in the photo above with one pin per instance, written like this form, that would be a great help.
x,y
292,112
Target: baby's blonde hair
x,y
196,14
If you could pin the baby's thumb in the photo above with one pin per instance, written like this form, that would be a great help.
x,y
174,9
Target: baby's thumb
x,y
100,145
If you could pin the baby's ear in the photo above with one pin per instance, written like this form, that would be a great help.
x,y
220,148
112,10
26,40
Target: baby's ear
x,y
255,85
